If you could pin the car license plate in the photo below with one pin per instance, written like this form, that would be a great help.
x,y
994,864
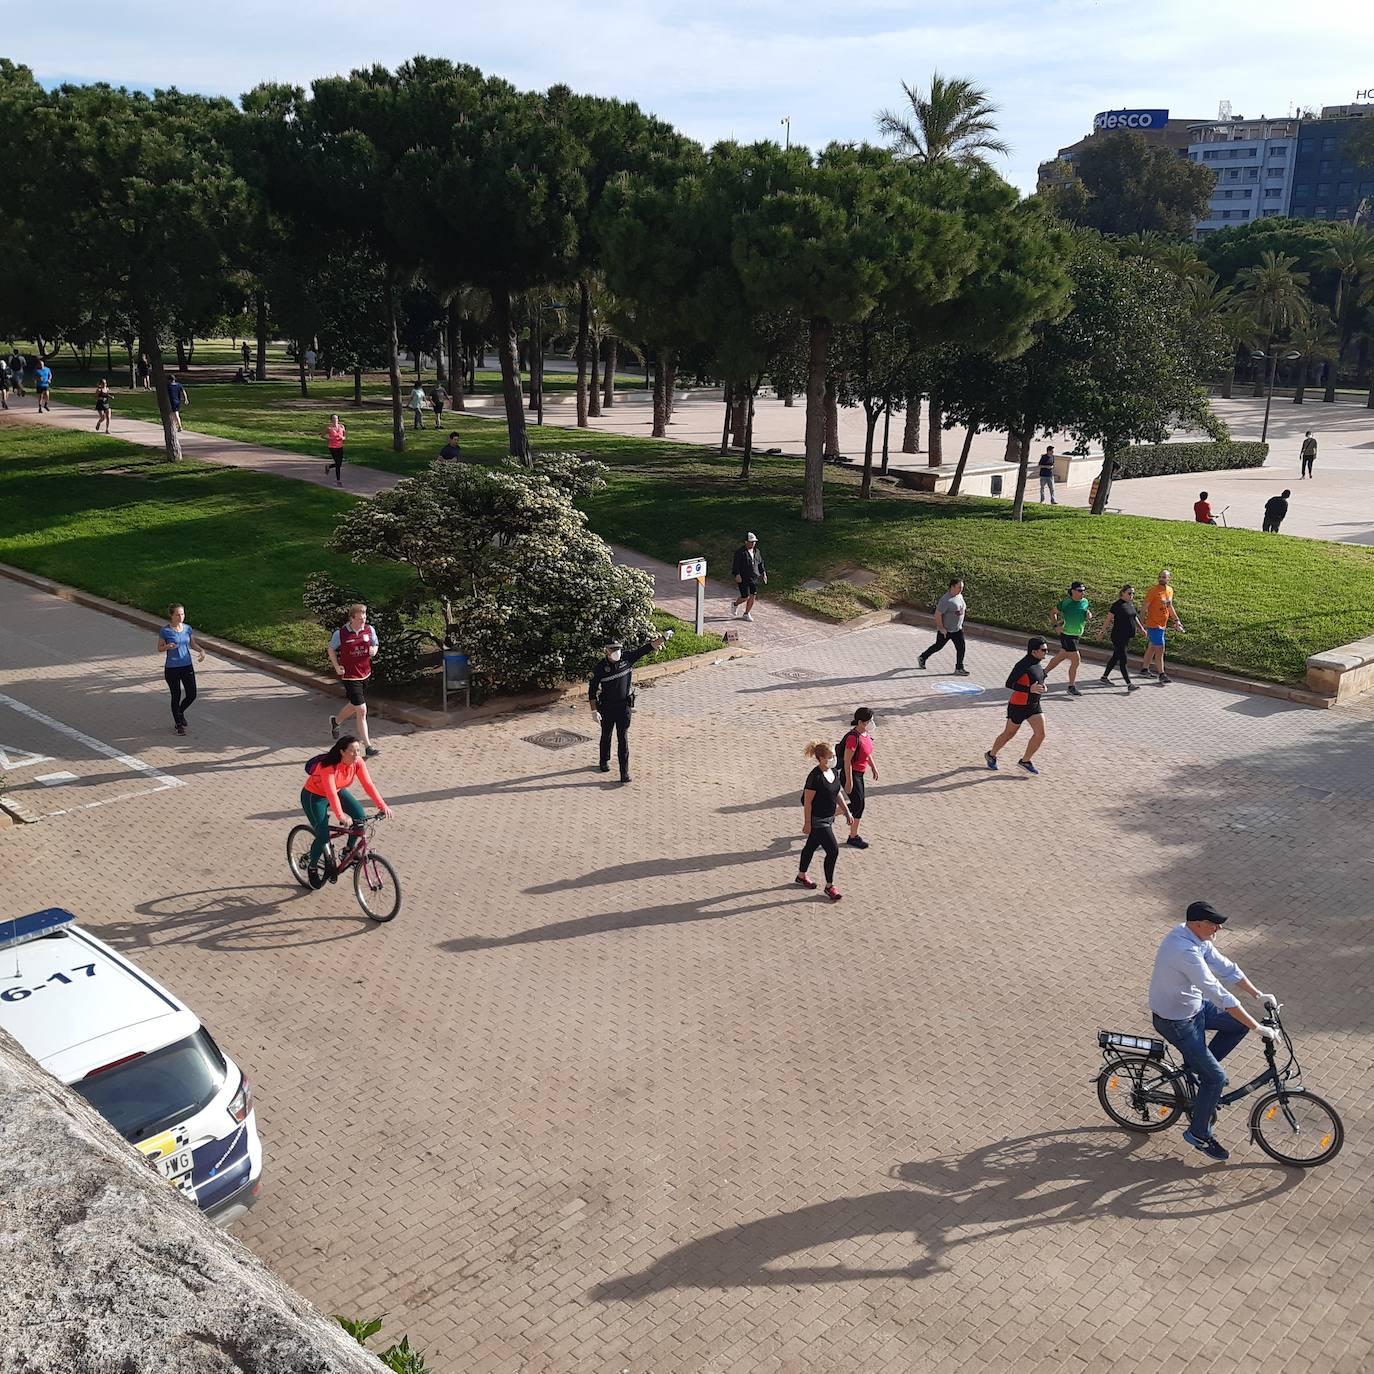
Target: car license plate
x,y
173,1167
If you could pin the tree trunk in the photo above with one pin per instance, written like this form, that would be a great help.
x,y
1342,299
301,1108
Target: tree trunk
x,y
963,461
1023,445
818,348
1012,452
739,415
109,358
357,386
1104,482
181,355
300,369
911,429
729,416
190,351
507,353
668,363
393,363
129,349
1228,383
747,463
151,344
584,326
935,440
1369,404
832,420
887,429
260,367
457,372
612,348
1300,387
788,399
594,379
870,428
660,427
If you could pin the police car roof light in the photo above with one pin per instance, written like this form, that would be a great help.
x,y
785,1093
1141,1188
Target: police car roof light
x,y
21,929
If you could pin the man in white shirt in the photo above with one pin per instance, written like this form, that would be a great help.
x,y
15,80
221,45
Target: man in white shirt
x,y
1188,999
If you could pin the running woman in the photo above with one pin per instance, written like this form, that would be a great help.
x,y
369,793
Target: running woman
x,y
857,756
822,795
102,406
352,647
1026,682
1071,617
176,642
1159,615
949,626
42,378
1123,621
4,382
328,777
334,436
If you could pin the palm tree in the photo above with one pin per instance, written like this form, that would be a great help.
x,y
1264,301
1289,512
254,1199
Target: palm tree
x,y
1317,340
1272,291
1351,255
1211,305
952,123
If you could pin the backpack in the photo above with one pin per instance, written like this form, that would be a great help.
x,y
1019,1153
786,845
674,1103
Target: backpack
x,y
311,763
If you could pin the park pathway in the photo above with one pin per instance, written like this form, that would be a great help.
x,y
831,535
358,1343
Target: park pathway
x,y
775,627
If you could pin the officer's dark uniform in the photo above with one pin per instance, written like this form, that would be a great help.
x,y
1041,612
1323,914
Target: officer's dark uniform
x,y
610,691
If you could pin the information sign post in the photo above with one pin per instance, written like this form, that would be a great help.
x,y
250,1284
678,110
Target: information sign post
x,y
687,569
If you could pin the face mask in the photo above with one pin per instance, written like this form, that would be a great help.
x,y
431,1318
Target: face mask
x,y
615,655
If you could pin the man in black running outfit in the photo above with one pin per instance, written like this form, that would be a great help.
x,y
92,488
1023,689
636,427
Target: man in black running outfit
x,y
611,693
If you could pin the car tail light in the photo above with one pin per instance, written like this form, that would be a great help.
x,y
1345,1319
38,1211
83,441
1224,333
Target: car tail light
x,y
243,1100
115,1063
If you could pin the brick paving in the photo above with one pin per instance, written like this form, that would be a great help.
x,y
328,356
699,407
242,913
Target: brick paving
x,y
612,1094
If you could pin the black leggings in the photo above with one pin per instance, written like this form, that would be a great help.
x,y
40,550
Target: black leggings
x,y
181,680
822,836
336,457
1120,648
955,637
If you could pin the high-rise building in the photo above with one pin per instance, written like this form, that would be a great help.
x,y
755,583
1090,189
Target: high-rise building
x,y
1327,184
1154,126
1253,160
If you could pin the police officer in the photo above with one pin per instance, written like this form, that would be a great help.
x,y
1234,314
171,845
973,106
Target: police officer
x,y
612,697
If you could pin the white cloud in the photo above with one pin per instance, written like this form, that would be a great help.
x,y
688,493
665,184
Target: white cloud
x,y
724,69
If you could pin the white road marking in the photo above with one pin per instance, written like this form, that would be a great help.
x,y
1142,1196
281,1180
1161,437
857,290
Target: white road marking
x,y
136,765
52,779
13,757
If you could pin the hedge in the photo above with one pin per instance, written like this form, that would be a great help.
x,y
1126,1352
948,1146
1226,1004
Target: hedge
x,y
1162,460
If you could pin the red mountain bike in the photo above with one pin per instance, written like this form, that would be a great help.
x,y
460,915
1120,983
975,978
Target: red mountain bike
x,y
375,883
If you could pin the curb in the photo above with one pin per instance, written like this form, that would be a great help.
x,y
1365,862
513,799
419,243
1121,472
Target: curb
x,y
1207,677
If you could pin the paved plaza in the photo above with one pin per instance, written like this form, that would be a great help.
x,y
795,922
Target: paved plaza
x,y
611,1094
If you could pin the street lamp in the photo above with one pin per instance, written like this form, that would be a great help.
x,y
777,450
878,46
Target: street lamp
x,y
786,121
537,377
1273,356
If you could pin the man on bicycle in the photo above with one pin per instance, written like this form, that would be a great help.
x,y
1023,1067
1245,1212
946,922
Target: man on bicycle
x,y
1187,999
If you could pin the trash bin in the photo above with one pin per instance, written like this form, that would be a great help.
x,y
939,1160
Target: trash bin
x,y
997,484
457,676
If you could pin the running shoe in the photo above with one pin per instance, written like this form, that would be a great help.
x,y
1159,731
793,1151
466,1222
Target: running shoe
x,y
833,893
1131,686
1164,678
1149,672
1209,1145
1027,766
959,671
857,842
805,881
991,759
371,752
1106,679
920,662
181,729
1073,690
333,727
748,617
315,877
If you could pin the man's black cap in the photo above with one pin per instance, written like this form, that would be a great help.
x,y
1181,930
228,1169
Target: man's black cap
x,y
1205,911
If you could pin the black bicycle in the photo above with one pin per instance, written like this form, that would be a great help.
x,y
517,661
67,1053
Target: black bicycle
x,y
1144,1088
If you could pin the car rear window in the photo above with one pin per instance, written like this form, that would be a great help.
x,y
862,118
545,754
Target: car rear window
x,y
156,1090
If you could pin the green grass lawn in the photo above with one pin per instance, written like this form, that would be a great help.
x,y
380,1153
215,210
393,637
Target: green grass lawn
x,y
1252,603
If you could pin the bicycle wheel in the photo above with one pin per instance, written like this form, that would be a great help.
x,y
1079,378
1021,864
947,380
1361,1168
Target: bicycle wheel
x,y
377,888
298,844
1140,1094
1297,1128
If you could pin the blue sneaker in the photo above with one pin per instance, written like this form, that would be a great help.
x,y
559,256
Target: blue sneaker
x,y
1028,766
1211,1146
991,759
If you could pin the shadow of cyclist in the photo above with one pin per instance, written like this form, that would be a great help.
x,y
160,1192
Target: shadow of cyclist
x,y
1056,1178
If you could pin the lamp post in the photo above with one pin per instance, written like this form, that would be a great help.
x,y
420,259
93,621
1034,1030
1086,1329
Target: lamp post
x,y
786,122
1273,356
537,377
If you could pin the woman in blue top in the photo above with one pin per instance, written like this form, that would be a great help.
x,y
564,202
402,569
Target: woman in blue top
x,y
175,642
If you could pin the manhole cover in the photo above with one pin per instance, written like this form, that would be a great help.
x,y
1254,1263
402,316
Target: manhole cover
x,y
557,739
797,675
1307,790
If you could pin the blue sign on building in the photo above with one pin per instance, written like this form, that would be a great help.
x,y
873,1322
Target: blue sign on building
x,y
1130,119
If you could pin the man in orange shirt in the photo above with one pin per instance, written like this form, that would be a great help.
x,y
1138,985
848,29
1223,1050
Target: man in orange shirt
x,y
1159,615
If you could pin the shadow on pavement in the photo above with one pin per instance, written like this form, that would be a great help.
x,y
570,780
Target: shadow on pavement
x,y
1057,1178
667,868
241,918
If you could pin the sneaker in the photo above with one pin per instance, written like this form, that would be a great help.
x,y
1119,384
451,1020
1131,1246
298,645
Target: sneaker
x,y
991,759
1027,766
603,767
833,893
180,729
1073,690
314,875
624,778
1163,678
1105,679
920,662
1209,1145
333,727
857,842
961,671
747,616
805,881
1132,686
734,610
371,752
1149,672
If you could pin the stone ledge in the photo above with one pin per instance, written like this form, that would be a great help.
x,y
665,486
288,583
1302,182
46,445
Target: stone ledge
x,y
106,1269
1343,673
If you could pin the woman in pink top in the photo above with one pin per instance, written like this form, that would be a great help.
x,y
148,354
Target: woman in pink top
x,y
857,749
334,436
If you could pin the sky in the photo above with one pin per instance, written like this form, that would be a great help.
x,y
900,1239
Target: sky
x,y
735,70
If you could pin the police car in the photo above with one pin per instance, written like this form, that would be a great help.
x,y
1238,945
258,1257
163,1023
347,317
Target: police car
x,y
137,1055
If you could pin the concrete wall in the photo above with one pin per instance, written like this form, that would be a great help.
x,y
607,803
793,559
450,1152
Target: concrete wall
x,y
104,1269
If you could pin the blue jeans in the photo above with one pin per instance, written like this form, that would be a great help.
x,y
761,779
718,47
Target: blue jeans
x,y
1190,1039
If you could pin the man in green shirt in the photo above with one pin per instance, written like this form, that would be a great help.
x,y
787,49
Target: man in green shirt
x,y
1071,617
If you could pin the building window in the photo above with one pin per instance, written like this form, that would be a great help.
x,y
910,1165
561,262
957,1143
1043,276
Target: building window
x,y
1278,150
1306,145
1344,188
1302,192
1277,171
1323,188
1245,194
1325,167
1244,214
1319,212
1233,175
1272,192
1328,144
1252,174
